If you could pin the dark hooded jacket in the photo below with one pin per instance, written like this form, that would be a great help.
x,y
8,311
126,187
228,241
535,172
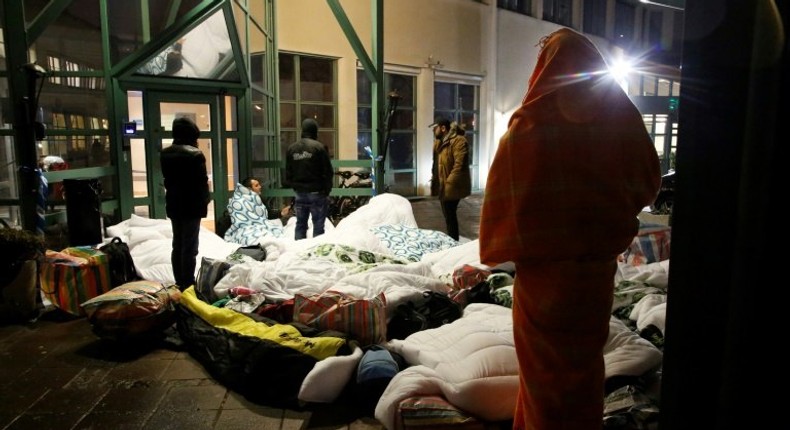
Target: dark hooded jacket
x,y
184,170
308,168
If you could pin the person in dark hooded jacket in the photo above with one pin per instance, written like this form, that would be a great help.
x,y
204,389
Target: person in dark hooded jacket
x,y
186,197
308,170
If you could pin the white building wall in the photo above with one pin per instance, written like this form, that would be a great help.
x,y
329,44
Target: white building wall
x,y
455,33
517,39
461,40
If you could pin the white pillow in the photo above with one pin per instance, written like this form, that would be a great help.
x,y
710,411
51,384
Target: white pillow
x,y
328,377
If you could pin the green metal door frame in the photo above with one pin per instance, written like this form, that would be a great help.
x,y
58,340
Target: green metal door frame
x,y
155,132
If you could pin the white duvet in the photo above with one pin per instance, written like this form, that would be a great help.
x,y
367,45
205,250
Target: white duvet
x,y
471,362
150,239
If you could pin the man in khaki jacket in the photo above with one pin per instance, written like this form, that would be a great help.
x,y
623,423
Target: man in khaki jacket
x,y
451,157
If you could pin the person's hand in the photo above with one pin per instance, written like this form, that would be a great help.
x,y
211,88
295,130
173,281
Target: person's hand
x,y
285,211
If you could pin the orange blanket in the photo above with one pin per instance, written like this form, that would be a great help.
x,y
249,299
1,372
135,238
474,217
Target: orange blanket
x,y
571,173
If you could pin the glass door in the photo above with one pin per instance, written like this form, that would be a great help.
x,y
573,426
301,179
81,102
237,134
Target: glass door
x,y
159,111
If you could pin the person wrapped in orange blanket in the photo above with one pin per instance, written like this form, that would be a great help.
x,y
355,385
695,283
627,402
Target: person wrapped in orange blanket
x,y
570,176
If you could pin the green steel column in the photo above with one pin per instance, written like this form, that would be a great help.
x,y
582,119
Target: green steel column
x,y
374,68
377,93
20,82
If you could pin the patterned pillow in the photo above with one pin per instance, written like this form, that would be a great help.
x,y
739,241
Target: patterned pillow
x,y
412,243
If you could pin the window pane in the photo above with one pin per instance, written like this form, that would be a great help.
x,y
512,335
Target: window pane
x,y
288,115
126,33
204,52
259,116
402,184
327,137
466,97
364,116
595,17
469,120
316,79
443,96
287,83
471,138
558,11
363,139
8,177
257,69
232,162
139,168
75,35
231,116
623,21
363,88
287,138
655,22
403,119
405,87
520,6
401,151
323,114
100,152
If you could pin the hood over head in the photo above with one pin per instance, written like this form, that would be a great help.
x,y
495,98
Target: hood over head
x,y
310,128
185,131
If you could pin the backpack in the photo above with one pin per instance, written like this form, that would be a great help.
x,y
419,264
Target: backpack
x,y
435,309
122,268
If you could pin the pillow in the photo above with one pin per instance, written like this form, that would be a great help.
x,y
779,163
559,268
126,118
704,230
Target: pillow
x,y
434,412
132,309
329,377
412,243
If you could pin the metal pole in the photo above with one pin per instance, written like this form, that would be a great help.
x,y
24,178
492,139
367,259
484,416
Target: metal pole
x,y
21,78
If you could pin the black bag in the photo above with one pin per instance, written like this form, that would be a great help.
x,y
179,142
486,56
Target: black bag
x,y
256,252
210,272
122,268
434,310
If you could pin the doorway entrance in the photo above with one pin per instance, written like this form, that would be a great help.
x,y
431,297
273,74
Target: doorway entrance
x,y
157,110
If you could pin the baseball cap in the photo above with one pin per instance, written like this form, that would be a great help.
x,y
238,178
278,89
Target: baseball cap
x,y
440,120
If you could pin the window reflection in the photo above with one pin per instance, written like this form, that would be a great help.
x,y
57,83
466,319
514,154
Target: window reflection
x,y
205,52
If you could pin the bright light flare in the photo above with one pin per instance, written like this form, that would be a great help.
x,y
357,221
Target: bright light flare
x,y
619,70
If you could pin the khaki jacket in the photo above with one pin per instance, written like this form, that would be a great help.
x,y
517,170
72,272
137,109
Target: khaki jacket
x,y
452,155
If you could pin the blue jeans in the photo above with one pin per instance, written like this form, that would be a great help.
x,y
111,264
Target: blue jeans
x,y
307,205
185,250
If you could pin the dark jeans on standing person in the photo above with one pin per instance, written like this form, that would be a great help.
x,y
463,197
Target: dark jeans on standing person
x,y
315,205
185,250
450,212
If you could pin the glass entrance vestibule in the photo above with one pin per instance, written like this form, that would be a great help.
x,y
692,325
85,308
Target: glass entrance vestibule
x,y
111,77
